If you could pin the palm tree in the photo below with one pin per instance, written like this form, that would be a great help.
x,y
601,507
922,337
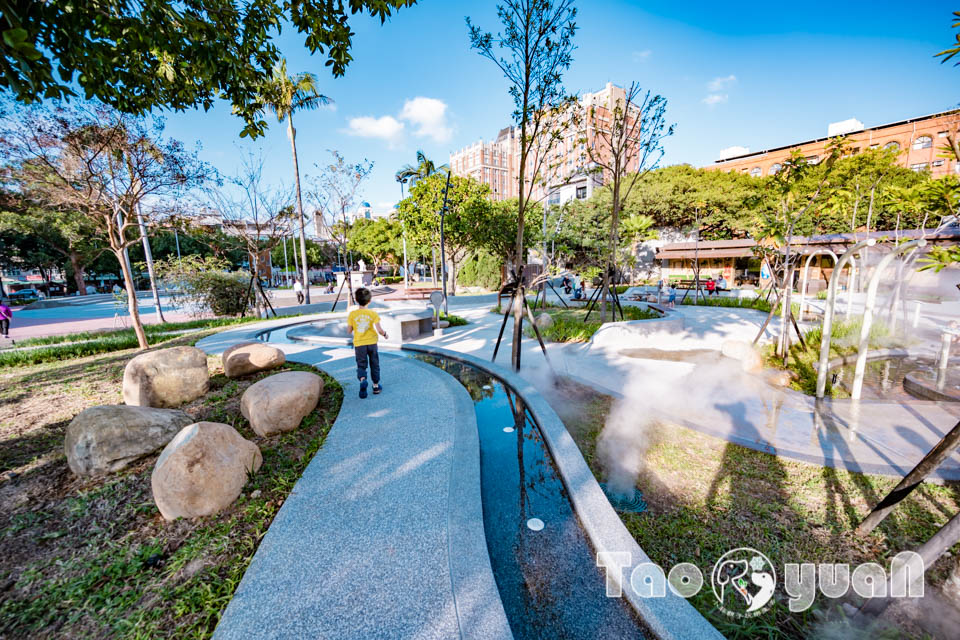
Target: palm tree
x,y
424,167
285,95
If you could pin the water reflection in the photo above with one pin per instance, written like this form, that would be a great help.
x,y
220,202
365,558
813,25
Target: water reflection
x,y
548,579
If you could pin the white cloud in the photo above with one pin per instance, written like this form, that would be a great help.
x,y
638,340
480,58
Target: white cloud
x,y
733,151
430,117
641,56
719,84
715,98
385,127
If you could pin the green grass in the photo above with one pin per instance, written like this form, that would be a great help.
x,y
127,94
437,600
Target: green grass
x,y
95,559
88,343
734,496
803,360
454,320
569,326
715,301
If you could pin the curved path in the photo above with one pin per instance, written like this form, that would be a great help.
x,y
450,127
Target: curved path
x,y
382,536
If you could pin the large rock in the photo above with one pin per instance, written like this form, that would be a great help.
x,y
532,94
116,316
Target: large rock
x,y
107,438
280,402
202,470
749,357
251,357
166,377
544,321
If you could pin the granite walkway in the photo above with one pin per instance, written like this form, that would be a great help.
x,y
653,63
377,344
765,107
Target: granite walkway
x,y
382,536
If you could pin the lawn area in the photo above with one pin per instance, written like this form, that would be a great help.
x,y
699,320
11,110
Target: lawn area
x,y
733,496
88,343
569,326
92,557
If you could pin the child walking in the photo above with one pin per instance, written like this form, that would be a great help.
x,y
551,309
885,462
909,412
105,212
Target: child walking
x,y
364,324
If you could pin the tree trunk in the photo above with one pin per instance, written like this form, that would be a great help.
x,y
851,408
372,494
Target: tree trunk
x,y
292,133
78,276
131,299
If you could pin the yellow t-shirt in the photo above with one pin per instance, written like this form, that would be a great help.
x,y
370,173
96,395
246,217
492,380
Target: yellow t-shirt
x,y
363,322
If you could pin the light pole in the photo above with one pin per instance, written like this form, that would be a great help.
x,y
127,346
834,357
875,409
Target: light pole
x,y
403,225
443,255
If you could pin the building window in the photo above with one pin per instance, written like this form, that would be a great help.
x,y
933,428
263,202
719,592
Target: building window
x,y
920,166
943,134
874,146
581,193
938,163
555,197
812,159
756,172
774,168
923,142
892,146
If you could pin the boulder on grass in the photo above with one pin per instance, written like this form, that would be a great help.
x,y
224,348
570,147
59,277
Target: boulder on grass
x,y
251,357
202,470
749,357
280,402
107,438
166,377
544,321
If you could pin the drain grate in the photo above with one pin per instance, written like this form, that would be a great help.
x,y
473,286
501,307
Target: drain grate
x,y
625,503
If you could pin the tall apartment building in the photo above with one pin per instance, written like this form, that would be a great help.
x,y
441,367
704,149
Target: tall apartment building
x,y
917,140
566,174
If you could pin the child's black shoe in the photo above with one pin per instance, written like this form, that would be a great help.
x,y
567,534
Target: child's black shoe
x,y
377,389
363,388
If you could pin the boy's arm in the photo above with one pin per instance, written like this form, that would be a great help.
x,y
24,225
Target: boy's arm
x,y
380,330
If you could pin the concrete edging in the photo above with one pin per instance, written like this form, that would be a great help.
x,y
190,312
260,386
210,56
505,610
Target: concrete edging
x,y
666,618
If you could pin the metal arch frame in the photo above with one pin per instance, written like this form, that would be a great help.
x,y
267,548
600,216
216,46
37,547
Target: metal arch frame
x,y
868,312
828,313
806,275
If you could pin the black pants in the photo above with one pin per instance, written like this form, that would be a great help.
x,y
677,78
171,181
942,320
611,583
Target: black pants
x,y
5,329
364,353
299,297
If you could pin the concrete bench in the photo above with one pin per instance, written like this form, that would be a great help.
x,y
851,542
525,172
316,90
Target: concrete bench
x,y
411,325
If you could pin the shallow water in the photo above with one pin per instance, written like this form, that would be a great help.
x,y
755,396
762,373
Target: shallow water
x,y
547,577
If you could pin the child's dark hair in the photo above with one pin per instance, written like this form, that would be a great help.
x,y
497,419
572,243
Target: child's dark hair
x,y
363,296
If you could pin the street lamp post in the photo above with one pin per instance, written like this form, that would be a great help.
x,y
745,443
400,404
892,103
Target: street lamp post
x,y
443,256
403,225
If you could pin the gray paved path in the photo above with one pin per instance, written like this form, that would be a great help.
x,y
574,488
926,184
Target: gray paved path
x,y
382,537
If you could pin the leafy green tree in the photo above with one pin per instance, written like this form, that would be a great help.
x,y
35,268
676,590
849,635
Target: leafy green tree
x,y
468,216
673,195
379,239
286,95
138,56
424,167
65,234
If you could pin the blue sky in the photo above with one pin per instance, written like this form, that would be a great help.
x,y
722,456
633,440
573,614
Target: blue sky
x,y
755,77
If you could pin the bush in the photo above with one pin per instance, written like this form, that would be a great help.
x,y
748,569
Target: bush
x,y
391,279
202,284
481,270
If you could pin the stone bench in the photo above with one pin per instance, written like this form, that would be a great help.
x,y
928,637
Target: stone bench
x,y
410,325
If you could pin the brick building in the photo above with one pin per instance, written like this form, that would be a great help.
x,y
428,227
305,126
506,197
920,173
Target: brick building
x,y
566,173
918,141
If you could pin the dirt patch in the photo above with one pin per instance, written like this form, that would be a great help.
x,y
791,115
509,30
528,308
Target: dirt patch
x,y
92,557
